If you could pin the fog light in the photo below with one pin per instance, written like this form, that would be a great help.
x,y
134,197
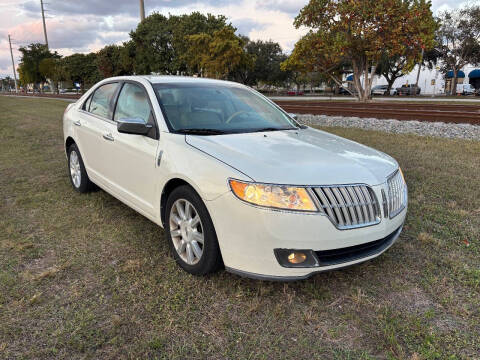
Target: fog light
x,y
297,258
293,258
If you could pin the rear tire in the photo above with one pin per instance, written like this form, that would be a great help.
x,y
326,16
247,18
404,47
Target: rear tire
x,y
77,173
187,225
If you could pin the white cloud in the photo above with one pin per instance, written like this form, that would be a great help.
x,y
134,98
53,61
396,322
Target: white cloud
x,y
264,23
88,25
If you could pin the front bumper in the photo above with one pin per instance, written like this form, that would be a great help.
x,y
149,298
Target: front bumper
x,y
248,236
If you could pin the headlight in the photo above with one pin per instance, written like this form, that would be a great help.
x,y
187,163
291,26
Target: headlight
x,y
274,196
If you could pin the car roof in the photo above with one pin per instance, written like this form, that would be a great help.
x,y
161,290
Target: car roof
x,y
163,79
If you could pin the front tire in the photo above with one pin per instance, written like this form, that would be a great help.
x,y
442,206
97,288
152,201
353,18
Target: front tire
x,y
190,232
78,175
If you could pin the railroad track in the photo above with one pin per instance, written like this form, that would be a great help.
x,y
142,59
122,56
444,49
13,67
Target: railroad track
x,y
431,112
401,111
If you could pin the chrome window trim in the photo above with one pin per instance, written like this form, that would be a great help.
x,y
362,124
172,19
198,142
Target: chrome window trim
x,y
97,116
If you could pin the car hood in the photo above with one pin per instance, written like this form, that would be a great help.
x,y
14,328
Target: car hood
x,y
303,157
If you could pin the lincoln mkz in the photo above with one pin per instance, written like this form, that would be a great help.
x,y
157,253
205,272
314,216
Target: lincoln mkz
x,y
234,180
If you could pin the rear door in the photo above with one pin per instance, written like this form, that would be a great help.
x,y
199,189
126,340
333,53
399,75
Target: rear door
x,y
133,158
91,126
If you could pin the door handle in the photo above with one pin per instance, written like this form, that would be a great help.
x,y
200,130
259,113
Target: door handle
x,y
77,123
108,137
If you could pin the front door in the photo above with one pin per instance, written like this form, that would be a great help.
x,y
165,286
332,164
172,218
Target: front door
x,y
132,158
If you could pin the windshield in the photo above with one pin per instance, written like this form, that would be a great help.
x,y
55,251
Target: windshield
x,y
217,109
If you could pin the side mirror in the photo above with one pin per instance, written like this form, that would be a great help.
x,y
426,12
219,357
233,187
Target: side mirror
x,y
293,116
133,126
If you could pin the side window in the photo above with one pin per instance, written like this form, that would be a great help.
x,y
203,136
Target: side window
x,y
102,99
133,104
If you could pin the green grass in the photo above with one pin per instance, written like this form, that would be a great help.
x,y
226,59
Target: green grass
x,y
84,276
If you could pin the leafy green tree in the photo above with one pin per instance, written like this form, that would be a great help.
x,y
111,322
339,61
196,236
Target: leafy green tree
x,y
23,79
109,62
153,43
295,70
82,69
395,67
218,55
359,33
392,68
458,40
54,70
127,57
185,25
161,42
302,64
7,83
268,56
315,79
31,58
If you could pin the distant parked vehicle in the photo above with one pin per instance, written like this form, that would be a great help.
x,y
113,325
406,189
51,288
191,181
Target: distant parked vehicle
x,y
383,90
465,89
343,91
295,93
408,89
62,91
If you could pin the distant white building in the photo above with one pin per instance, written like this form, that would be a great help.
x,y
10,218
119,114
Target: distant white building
x,y
432,82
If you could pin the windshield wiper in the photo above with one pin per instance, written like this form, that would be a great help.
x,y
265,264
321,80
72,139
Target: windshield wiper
x,y
273,129
201,131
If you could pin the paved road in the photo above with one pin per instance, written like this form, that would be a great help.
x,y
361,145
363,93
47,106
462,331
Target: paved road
x,y
40,97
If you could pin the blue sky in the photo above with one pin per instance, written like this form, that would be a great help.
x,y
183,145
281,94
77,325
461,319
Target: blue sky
x,y
88,25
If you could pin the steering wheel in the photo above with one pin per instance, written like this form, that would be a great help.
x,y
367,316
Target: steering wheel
x,y
234,115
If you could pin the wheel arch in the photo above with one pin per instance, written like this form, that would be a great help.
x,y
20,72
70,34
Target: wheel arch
x,y
169,186
68,142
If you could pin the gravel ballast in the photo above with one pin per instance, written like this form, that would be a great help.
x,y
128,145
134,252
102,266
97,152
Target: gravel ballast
x,y
438,129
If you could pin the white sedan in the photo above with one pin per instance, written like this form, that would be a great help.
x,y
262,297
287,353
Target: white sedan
x,y
234,180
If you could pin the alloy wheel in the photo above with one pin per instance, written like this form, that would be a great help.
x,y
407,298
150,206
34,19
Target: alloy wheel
x,y
75,171
186,230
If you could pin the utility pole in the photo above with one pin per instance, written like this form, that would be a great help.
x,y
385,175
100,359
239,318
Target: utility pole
x,y
44,25
13,64
142,10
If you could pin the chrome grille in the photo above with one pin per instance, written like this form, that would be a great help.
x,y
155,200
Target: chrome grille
x,y
349,206
397,194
